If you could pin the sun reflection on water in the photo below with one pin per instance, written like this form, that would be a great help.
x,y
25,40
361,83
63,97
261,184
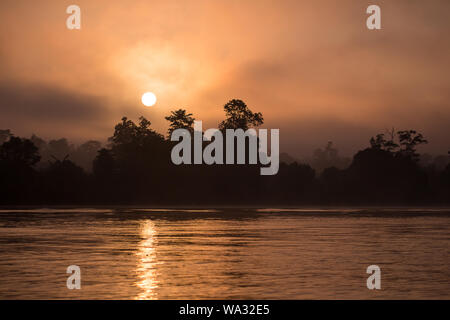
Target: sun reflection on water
x,y
146,267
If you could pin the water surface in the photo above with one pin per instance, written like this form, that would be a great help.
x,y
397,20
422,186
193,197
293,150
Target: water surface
x,y
224,254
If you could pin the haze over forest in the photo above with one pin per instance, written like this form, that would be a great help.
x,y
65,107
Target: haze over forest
x,y
311,67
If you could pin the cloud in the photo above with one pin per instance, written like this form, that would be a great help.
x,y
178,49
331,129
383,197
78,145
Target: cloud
x,y
49,110
310,67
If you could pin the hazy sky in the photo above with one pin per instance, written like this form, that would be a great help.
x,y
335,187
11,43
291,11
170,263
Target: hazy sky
x,y
311,67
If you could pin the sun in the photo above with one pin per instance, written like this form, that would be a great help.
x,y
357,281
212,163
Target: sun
x,y
148,99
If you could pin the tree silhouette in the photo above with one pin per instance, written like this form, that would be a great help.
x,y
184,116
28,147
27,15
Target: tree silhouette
x,y
86,153
65,182
60,148
409,140
127,132
18,177
19,151
135,168
38,142
141,159
132,144
104,164
239,116
180,119
4,135
328,157
380,143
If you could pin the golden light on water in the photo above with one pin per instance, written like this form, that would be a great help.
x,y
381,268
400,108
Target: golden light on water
x,y
147,261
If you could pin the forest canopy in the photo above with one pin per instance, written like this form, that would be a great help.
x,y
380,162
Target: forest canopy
x,y
134,167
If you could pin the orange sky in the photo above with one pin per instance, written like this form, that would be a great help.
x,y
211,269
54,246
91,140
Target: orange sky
x,y
311,67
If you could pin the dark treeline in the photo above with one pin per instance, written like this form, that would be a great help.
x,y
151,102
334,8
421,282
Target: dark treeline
x,y
135,168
